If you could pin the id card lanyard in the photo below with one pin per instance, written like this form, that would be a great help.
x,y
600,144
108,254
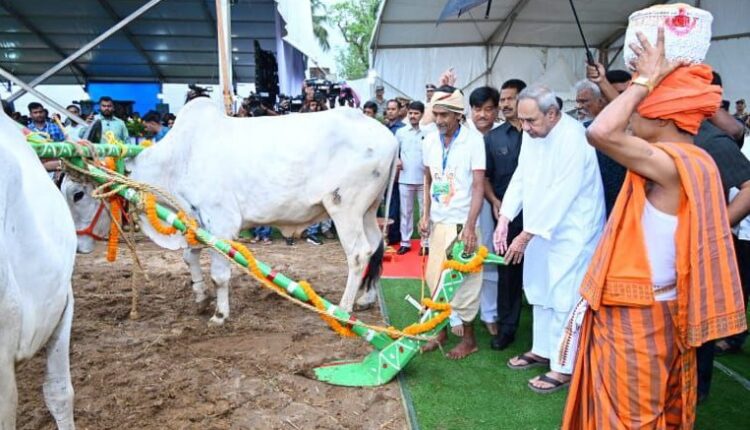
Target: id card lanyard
x,y
447,152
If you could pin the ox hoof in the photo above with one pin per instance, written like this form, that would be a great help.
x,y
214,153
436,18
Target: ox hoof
x,y
215,321
363,306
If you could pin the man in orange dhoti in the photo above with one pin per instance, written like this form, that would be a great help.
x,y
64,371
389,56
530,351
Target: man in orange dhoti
x,y
664,278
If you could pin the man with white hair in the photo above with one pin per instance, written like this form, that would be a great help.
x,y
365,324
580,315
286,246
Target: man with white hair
x,y
557,184
590,100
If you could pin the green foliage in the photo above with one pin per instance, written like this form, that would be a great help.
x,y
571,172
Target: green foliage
x,y
320,20
356,21
135,127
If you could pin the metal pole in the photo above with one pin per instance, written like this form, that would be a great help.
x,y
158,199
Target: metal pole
x,y
9,76
86,48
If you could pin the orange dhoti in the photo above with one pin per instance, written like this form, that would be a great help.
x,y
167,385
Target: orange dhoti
x,y
630,373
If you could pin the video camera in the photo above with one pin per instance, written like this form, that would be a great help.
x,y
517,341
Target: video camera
x,y
256,102
331,91
289,104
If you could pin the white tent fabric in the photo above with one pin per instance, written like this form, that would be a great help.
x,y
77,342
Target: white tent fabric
x,y
297,17
543,44
406,71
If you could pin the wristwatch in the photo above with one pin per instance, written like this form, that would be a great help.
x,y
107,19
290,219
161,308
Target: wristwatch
x,y
644,82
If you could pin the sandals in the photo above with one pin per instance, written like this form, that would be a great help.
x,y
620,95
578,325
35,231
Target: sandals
x,y
529,361
556,385
723,347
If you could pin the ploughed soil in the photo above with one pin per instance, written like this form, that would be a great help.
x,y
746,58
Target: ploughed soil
x,y
170,370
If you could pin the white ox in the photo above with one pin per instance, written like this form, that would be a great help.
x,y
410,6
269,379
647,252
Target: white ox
x,y
37,254
287,171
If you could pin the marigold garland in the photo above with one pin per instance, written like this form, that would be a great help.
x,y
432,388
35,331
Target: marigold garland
x,y
472,266
114,231
419,328
149,203
115,210
335,325
252,265
191,226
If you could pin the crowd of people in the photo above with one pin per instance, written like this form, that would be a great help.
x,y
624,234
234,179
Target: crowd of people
x,y
614,219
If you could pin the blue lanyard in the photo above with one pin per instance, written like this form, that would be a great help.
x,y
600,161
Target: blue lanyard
x,y
445,153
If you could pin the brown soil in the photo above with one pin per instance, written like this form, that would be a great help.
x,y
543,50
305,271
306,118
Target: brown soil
x,y
170,370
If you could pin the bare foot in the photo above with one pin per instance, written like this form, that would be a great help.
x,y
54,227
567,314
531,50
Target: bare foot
x,y
458,330
464,349
435,343
492,328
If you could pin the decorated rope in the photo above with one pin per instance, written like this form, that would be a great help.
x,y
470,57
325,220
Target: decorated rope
x,y
146,190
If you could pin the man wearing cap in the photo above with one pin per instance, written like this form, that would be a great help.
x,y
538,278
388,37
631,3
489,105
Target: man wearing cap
x,y
664,279
454,160
740,113
379,100
429,91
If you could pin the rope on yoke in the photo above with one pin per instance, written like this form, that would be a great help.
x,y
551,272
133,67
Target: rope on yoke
x,y
115,182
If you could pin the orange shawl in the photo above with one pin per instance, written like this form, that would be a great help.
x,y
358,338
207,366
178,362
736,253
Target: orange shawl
x,y
709,294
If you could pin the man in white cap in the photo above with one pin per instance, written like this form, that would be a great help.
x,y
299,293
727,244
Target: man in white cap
x,y
454,160
380,100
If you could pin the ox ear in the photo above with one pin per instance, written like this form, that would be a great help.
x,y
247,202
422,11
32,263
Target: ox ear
x,y
173,242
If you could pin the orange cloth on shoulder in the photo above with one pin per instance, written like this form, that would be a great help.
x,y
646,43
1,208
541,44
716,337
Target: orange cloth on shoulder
x,y
686,97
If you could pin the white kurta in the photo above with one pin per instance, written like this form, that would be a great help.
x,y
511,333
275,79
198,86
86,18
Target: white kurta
x,y
558,186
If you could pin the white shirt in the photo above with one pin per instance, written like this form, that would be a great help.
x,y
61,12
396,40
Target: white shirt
x,y
410,140
558,186
75,132
451,170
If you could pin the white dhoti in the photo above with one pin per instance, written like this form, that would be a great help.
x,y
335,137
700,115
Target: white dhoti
x,y
558,186
547,331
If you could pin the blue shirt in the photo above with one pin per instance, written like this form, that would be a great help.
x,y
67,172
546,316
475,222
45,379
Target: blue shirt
x,y
160,135
50,128
395,126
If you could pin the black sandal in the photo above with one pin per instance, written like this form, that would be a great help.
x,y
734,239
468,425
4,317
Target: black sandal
x,y
529,362
556,385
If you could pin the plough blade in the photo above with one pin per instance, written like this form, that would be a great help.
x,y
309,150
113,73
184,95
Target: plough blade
x,y
378,368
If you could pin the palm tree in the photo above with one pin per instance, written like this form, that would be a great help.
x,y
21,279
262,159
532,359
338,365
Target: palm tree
x,y
320,19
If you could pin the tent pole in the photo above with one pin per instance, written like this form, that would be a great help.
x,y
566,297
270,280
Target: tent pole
x,y
223,38
9,76
86,48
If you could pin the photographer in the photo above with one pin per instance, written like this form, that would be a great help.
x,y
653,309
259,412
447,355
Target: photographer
x,y
256,106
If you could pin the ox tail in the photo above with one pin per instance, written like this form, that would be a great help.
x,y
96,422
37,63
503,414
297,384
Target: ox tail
x,y
375,265
374,268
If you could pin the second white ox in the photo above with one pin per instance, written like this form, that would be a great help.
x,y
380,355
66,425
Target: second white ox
x,y
37,254
287,171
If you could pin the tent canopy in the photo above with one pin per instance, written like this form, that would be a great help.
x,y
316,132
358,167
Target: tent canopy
x,y
173,42
544,23
539,38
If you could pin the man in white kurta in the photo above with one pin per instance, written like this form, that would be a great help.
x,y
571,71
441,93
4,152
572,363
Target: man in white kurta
x,y
558,186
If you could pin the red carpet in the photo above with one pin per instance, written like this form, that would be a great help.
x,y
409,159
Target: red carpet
x,y
407,266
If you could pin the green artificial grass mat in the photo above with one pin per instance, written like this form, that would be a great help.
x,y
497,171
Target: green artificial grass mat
x,y
481,392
